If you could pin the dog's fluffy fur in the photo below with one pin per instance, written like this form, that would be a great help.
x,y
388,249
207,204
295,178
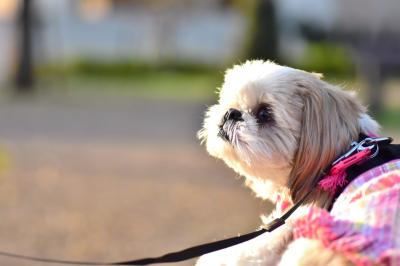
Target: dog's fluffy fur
x,y
310,123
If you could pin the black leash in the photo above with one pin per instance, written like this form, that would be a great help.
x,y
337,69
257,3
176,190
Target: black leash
x,y
199,250
182,255
387,152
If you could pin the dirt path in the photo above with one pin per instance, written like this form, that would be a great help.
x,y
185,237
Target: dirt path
x,y
113,180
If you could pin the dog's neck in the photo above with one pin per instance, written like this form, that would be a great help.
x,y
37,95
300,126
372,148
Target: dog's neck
x,y
267,189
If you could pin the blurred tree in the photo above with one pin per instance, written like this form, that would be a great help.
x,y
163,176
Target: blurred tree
x,y
263,33
264,40
24,74
370,68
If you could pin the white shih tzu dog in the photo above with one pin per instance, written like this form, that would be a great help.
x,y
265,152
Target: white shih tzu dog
x,y
280,128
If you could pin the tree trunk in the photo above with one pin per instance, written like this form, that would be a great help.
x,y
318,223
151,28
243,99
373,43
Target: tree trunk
x,y
24,80
264,42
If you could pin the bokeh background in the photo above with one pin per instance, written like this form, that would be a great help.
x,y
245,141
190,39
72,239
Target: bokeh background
x,y
100,101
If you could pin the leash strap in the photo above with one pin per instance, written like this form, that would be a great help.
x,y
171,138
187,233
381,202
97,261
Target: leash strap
x,y
182,255
197,251
185,254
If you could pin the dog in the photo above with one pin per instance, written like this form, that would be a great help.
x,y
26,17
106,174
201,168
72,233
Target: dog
x,y
280,128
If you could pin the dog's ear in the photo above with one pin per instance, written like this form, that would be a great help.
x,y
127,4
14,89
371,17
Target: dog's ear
x,y
329,124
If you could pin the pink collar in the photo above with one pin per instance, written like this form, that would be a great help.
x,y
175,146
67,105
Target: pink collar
x,y
360,152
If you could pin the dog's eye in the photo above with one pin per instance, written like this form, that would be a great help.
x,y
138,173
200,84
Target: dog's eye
x,y
264,114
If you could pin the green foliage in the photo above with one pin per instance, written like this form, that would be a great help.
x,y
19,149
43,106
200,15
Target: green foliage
x,y
389,118
167,80
247,7
122,68
327,58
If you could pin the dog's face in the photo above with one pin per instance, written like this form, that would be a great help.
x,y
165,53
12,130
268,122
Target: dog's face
x,y
255,126
272,121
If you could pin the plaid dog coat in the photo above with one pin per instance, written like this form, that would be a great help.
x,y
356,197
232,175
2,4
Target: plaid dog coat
x,y
364,223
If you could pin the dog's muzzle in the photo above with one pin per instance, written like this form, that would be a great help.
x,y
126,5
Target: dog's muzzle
x,y
228,120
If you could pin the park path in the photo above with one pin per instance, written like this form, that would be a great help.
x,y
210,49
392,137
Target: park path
x,y
109,179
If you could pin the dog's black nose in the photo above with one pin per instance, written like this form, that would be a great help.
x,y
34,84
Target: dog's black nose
x,y
233,114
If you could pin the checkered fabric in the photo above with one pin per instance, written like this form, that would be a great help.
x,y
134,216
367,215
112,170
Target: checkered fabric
x,y
364,223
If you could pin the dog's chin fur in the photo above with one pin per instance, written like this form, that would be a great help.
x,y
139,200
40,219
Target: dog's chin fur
x,y
312,123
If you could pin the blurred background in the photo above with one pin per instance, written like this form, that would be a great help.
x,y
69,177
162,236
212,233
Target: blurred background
x,y
100,102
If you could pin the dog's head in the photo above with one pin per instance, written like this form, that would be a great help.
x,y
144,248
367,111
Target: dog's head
x,y
281,125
